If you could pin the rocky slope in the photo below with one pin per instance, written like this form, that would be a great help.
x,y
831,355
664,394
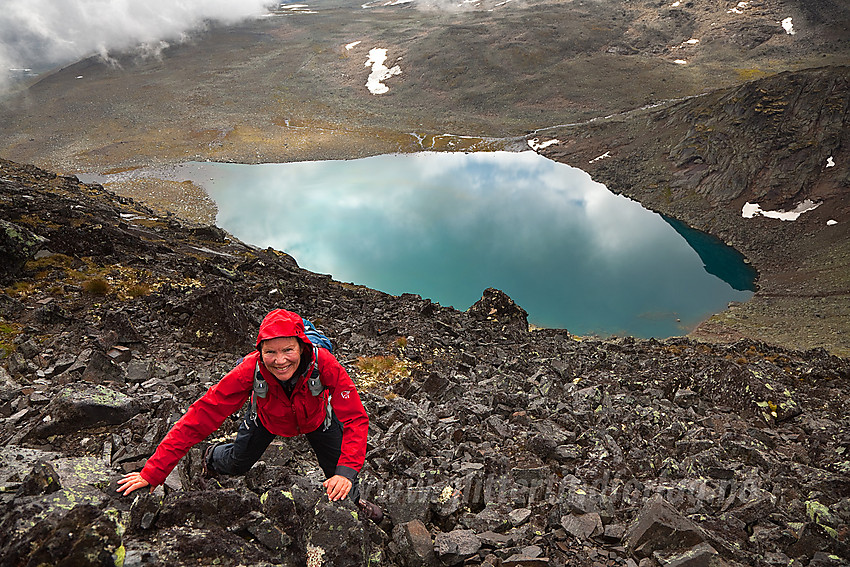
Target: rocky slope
x,y
489,444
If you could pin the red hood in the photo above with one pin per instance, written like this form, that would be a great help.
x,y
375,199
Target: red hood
x,y
281,323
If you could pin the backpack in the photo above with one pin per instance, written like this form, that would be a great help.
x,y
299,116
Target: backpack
x,y
314,381
317,337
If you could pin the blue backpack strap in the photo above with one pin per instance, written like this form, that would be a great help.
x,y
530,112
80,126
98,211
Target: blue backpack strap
x,y
317,337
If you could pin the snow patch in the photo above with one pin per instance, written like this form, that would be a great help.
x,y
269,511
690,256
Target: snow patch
x,y
831,222
603,156
352,45
368,5
680,62
739,8
535,144
830,162
752,209
293,9
380,72
788,26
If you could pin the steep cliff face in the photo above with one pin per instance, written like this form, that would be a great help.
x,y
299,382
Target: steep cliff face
x,y
769,142
782,143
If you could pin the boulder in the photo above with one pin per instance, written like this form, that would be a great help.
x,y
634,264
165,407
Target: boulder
x,y
82,406
83,535
118,323
102,368
495,305
18,245
405,504
203,509
415,546
659,527
266,532
454,547
582,526
336,535
43,479
217,321
700,555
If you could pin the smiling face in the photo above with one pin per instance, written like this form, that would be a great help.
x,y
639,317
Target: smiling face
x,y
281,355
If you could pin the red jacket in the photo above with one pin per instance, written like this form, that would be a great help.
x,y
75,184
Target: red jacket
x,y
280,414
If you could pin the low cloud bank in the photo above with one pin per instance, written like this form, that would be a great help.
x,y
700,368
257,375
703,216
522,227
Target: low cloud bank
x,y
40,34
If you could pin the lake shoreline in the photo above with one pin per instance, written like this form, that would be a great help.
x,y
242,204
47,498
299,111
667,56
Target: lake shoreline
x,y
612,268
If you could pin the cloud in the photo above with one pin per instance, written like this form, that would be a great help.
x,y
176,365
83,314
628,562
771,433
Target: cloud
x,y
41,34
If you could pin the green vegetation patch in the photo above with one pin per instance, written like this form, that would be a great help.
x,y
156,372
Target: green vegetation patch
x,y
8,332
379,373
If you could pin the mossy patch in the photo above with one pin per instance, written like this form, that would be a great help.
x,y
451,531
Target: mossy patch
x,y
379,372
8,332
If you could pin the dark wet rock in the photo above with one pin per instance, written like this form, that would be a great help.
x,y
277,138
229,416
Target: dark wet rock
x,y
211,233
84,535
216,321
405,504
144,511
496,306
102,368
494,517
139,371
43,479
699,555
266,532
660,527
17,245
453,547
119,323
523,560
519,516
81,407
335,535
582,526
415,545
812,538
202,509
279,506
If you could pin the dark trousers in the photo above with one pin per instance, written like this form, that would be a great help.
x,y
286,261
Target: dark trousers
x,y
252,440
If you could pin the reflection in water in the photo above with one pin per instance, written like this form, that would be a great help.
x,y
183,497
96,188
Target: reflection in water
x,y
449,225
723,261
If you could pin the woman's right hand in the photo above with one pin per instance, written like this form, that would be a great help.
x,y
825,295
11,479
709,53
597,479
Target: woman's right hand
x,y
130,482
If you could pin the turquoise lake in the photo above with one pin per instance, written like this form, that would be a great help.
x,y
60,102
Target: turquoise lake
x,y
448,225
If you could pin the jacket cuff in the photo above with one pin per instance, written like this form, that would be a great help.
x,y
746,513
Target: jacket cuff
x,y
347,472
152,479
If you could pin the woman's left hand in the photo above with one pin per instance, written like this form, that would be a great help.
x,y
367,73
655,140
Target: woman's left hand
x,y
337,487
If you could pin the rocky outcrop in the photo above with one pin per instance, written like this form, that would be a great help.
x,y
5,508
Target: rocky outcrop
x,y
489,444
17,246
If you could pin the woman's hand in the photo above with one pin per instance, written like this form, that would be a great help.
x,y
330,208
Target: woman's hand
x,y
337,487
132,481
